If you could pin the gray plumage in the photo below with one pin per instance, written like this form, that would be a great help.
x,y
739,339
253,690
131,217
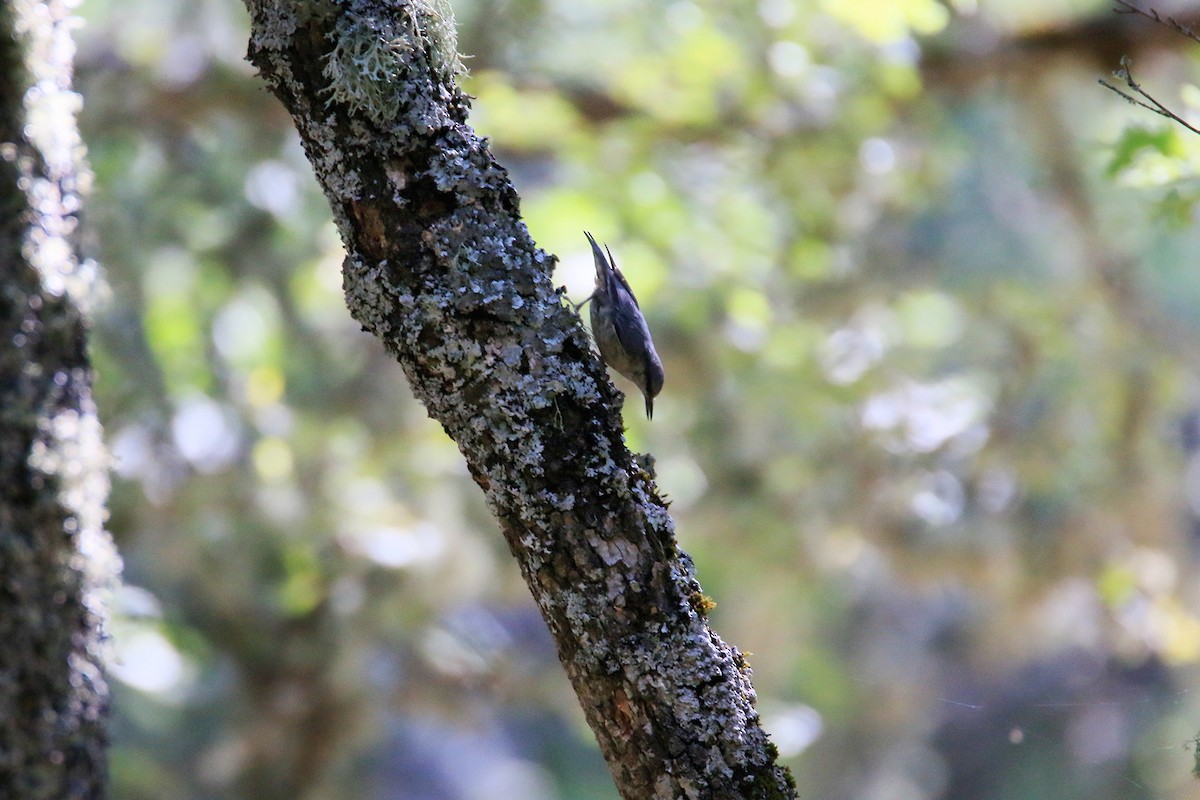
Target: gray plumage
x,y
620,329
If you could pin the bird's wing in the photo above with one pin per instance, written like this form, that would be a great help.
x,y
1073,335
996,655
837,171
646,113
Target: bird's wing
x,y
630,325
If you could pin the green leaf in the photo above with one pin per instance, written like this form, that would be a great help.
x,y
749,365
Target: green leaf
x,y
1134,141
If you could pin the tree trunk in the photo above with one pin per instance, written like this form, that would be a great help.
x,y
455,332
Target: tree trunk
x,y
441,269
55,557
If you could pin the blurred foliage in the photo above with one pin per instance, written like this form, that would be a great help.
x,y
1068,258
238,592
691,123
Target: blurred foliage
x,y
931,425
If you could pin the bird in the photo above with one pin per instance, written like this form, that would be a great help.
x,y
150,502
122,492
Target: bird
x,y
620,329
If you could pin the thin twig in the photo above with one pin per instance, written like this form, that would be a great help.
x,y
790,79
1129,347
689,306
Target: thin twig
x,y
1149,102
1170,22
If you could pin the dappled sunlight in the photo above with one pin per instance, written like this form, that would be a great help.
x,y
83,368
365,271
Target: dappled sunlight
x,y
923,417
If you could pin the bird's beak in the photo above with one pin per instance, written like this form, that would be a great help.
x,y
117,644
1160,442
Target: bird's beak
x,y
649,408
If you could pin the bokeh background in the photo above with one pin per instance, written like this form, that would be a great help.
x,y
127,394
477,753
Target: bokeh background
x,y
929,305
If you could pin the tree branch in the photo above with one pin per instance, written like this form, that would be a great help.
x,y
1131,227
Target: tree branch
x,y
440,267
1170,22
1149,103
1126,76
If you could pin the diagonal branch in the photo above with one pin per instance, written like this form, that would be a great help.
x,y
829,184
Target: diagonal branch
x,y
442,270
1170,22
1135,92
1149,102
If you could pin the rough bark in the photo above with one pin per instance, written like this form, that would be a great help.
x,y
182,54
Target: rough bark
x,y
55,557
440,267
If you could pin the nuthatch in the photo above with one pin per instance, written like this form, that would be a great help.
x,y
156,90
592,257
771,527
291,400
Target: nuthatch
x,y
620,329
